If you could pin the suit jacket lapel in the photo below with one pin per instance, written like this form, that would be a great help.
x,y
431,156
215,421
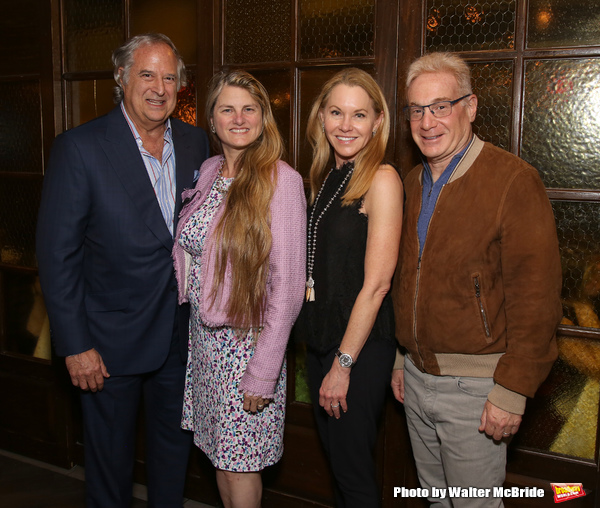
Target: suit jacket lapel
x,y
122,151
183,164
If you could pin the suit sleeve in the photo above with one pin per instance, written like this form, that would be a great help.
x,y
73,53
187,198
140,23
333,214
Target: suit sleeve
x,y
62,220
287,267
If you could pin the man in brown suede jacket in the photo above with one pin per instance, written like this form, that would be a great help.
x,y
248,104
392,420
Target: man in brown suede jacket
x,y
476,293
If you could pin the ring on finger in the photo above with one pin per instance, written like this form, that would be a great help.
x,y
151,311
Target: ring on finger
x,y
506,433
335,405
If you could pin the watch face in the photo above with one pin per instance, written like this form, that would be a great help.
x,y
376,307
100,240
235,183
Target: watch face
x,y
345,360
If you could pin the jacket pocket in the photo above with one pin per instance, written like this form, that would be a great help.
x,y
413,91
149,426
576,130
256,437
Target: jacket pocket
x,y
482,313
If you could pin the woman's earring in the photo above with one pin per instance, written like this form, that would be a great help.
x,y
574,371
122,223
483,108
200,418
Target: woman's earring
x,y
212,128
373,133
323,127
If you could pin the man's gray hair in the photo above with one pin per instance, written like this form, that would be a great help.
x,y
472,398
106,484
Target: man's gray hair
x,y
442,62
122,57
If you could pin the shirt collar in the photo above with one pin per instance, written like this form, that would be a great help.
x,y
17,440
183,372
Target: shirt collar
x,y
445,176
136,134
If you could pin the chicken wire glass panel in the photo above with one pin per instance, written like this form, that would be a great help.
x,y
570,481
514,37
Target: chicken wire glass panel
x,y
89,99
555,23
25,319
186,101
456,25
337,28
179,24
563,416
19,203
258,31
492,83
561,132
277,84
20,127
93,29
578,226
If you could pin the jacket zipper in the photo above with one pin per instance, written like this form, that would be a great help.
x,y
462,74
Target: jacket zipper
x,y
480,303
415,311
419,272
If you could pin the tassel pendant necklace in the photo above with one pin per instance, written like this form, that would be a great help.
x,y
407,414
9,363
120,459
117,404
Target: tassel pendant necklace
x,y
313,224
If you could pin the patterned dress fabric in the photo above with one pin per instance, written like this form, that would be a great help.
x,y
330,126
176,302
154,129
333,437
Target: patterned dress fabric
x,y
232,439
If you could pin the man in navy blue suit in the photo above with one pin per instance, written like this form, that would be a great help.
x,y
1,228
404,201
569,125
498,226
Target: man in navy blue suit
x,y
111,198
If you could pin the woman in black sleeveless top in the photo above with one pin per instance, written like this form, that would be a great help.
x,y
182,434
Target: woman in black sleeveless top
x,y
354,224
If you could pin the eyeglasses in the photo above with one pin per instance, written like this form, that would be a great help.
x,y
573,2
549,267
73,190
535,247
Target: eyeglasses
x,y
438,109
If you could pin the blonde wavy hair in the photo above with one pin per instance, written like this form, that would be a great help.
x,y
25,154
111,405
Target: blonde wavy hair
x,y
368,160
243,235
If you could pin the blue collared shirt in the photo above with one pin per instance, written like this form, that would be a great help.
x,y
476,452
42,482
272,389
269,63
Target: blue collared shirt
x,y
431,193
161,173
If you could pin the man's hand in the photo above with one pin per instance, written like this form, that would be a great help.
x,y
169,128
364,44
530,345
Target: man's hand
x,y
87,370
398,384
497,423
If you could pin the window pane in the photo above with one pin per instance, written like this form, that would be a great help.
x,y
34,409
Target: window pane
x,y
336,28
492,83
19,203
89,99
258,30
277,84
186,101
20,127
556,23
302,393
455,25
560,127
579,238
27,330
93,29
563,416
179,23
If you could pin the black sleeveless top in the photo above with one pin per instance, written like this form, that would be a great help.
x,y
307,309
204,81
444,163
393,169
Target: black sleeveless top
x,y
338,271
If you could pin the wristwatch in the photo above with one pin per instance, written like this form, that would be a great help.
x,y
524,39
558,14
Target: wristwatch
x,y
345,359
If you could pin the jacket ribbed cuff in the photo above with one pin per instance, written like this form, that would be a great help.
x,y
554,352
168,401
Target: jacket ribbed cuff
x,y
399,362
507,400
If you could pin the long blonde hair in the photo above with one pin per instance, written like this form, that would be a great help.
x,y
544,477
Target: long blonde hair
x,y
243,235
368,160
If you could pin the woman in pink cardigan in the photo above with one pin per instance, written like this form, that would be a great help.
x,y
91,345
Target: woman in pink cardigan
x,y
240,261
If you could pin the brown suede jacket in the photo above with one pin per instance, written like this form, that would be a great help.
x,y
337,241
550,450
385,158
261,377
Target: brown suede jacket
x,y
484,299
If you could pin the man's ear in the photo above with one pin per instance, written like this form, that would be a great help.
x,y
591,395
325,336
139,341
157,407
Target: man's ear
x,y
472,105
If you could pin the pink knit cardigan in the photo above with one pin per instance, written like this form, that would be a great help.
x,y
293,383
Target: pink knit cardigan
x,y
286,279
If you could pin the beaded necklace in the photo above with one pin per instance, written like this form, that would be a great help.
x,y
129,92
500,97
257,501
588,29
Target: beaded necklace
x,y
312,232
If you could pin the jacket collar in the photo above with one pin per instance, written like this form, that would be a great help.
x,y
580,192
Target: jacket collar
x,y
122,151
466,161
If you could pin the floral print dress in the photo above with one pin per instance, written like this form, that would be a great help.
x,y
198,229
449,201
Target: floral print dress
x,y
232,439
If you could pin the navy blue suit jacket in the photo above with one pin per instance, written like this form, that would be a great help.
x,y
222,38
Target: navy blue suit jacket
x,y
103,248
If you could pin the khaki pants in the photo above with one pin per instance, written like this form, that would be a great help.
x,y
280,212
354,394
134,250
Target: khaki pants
x,y
443,414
